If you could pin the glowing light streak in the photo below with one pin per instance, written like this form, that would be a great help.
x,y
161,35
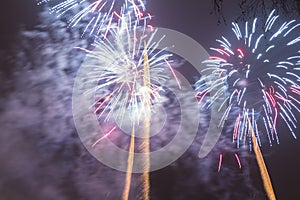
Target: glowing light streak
x,y
106,135
220,162
238,160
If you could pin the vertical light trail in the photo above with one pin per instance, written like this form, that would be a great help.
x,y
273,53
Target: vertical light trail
x,y
129,167
145,147
262,166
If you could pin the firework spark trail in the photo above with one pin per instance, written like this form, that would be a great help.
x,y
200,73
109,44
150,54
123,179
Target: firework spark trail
x,y
220,162
97,16
105,135
238,160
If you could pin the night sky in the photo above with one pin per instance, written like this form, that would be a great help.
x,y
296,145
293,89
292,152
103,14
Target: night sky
x,y
195,20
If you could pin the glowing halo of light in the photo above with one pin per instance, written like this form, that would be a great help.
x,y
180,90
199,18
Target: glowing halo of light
x,y
126,127
86,121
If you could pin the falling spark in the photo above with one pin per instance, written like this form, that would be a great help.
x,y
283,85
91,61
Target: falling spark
x,y
238,160
106,135
220,162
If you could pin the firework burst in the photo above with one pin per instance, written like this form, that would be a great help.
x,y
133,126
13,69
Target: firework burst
x,y
117,64
97,15
257,69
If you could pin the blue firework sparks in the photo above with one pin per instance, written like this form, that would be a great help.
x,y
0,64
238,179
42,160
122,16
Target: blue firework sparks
x,y
257,69
97,15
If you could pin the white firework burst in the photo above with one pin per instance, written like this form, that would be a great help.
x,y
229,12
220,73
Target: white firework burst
x,y
118,63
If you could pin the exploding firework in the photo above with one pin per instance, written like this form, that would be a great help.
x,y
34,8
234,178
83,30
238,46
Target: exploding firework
x,y
97,15
117,64
257,69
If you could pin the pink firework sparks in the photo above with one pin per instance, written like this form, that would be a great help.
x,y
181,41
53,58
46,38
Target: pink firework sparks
x,y
105,136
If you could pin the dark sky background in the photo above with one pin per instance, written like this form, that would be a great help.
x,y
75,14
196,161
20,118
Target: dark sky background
x,y
13,14
195,20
